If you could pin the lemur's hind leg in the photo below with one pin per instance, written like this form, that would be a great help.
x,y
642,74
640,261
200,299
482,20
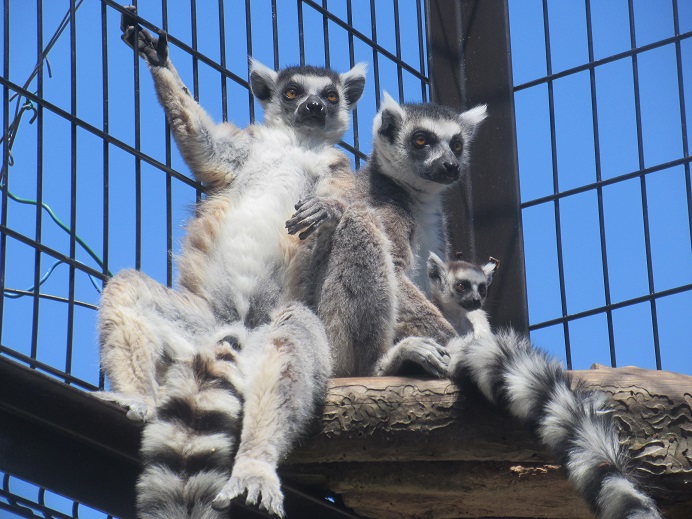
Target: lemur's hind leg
x,y
287,364
143,326
422,335
357,300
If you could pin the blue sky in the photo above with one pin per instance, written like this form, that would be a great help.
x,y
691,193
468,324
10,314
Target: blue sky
x,y
575,158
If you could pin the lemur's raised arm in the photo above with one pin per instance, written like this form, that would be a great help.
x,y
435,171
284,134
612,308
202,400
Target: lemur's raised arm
x,y
213,152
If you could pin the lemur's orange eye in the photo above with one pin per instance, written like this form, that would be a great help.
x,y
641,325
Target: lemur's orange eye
x,y
457,147
290,93
332,97
420,140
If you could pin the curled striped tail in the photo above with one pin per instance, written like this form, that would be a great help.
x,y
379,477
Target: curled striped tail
x,y
188,449
575,425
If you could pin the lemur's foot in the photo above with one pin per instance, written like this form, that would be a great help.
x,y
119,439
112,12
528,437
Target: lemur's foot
x,y
427,354
154,50
137,409
258,481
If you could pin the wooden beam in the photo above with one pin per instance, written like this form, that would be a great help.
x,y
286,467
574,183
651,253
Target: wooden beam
x,y
399,447
389,447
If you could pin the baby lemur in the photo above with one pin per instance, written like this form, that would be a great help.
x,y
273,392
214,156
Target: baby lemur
x,y
361,270
229,323
459,287
576,426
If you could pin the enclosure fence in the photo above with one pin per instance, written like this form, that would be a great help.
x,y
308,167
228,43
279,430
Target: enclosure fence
x,y
602,127
91,181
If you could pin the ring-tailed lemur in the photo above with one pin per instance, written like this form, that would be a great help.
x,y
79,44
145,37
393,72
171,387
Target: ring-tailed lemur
x,y
574,424
362,272
459,287
232,272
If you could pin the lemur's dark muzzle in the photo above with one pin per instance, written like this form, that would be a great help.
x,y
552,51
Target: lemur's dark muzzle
x,y
312,111
472,304
446,171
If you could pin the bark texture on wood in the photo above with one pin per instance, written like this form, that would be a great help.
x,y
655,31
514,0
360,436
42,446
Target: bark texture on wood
x,y
399,447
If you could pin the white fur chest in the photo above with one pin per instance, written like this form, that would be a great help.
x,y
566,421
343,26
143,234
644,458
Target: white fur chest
x,y
429,237
249,257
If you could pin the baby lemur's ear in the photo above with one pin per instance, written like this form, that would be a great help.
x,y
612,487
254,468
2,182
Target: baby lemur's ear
x,y
262,80
436,267
389,120
490,268
354,84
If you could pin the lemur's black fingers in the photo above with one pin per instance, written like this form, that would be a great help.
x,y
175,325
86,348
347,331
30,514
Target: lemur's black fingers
x,y
307,232
300,217
295,224
126,19
307,223
162,46
312,228
307,203
128,37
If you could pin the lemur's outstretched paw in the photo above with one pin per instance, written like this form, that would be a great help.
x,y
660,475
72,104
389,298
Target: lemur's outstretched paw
x,y
258,481
154,50
426,353
313,213
137,409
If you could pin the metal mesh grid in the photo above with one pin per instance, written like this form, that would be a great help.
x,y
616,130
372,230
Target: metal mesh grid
x,y
19,498
91,182
602,101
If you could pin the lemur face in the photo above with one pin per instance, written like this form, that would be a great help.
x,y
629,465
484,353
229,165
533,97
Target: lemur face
x,y
312,101
426,144
459,282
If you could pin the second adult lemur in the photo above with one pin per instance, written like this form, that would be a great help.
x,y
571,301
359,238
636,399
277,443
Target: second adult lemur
x,y
232,271
360,262
575,425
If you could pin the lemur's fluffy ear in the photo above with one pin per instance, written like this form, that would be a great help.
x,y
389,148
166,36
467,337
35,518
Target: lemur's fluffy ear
x,y
389,119
490,268
436,267
472,118
262,80
354,83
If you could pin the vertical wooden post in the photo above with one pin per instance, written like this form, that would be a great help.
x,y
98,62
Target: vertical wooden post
x,y
470,64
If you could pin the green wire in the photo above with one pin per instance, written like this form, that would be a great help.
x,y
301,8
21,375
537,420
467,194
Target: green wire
x,y
58,222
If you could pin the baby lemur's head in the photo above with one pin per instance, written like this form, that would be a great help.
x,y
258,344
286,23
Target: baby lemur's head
x,y
425,146
460,284
311,101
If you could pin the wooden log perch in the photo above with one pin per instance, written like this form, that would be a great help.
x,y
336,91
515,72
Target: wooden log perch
x,y
408,448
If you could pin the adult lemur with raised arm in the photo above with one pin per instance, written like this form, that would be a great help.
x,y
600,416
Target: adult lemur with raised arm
x,y
391,222
227,350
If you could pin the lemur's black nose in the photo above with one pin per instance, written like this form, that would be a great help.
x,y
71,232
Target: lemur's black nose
x,y
451,167
315,106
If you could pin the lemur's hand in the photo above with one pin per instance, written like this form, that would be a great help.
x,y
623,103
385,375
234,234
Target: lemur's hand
x,y
154,50
313,213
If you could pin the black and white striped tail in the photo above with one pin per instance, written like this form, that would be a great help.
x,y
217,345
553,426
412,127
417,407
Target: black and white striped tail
x,y
188,450
574,424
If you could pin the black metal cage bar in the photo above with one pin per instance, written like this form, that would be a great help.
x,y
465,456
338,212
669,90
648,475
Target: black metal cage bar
x,y
91,183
